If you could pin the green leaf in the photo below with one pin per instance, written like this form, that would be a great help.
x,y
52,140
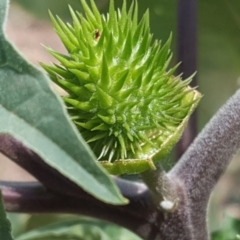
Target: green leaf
x,y
5,227
32,113
83,229
65,230
229,231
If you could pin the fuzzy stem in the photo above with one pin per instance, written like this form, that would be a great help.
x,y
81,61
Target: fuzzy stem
x,y
160,186
32,197
207,158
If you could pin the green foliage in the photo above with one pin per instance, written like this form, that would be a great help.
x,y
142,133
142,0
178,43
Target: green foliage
x,y
78,229
31,112
126,103
5,227
39,8
229,231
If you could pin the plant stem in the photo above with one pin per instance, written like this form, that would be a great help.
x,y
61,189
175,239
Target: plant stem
x,y
160,185
207,158
32,197
187,55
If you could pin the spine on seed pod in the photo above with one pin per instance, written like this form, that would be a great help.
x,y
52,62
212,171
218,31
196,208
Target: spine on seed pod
x,y
125,101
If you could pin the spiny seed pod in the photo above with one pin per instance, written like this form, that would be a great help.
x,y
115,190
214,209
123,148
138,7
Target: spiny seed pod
x,y
125,102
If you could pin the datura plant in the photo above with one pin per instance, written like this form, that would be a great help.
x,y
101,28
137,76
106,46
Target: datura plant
x,y
126,103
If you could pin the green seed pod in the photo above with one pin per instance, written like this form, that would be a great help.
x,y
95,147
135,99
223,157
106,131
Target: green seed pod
x,y
125,102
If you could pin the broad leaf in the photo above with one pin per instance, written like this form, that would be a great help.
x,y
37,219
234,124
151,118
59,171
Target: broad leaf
x,y
84,229
5,227
31,112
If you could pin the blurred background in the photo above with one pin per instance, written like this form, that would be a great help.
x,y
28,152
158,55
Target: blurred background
x,y
218,68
